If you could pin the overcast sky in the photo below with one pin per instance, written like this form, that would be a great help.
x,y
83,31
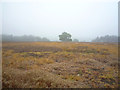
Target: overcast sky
x,y
83,19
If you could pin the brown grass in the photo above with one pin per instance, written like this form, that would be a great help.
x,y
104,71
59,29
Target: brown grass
x,y
58,65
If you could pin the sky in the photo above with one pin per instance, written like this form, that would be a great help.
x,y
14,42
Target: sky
x,y
83,19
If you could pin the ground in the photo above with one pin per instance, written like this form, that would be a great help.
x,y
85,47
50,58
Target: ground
x,y
59,65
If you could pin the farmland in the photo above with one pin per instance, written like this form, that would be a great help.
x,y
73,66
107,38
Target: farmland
x,y
59,65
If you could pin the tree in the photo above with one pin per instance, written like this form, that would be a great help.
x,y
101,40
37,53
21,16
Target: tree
x,y
75,40
45,39
65,37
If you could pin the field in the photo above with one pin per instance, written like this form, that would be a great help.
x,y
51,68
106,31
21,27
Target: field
x,y
59,65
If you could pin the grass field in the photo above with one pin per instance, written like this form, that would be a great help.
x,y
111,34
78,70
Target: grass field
x,y
59,65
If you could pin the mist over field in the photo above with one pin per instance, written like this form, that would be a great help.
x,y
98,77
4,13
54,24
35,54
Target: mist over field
x,y
82,19
59,44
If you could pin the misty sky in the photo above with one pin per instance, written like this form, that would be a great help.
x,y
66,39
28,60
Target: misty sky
x,y
84,20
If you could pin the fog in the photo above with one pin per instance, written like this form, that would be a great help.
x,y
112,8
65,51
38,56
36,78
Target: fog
x,y
83,20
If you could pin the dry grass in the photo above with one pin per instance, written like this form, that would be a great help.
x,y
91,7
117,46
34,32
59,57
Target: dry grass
x,y
58,65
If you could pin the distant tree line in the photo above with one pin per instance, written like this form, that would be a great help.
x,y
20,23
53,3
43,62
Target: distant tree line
x,y
107,38
26,38
64,37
